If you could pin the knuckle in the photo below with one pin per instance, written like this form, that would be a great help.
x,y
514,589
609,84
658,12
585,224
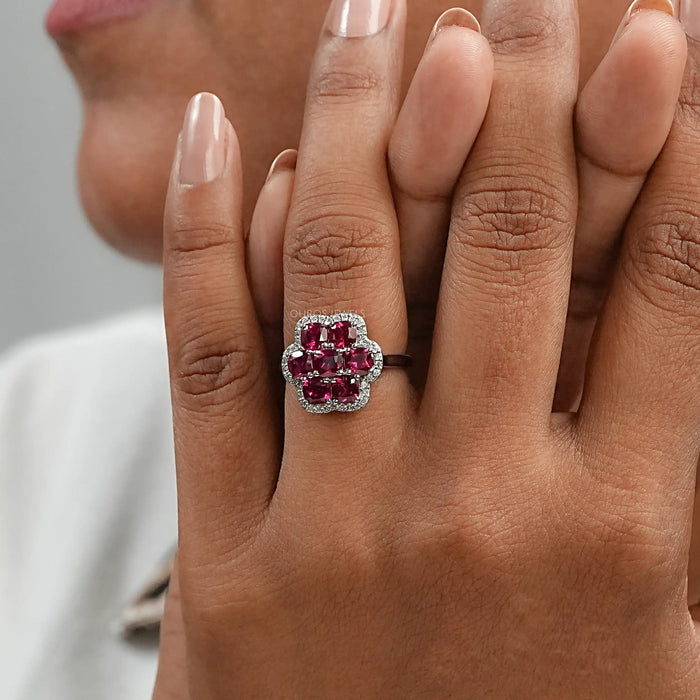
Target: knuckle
x,y
665,259
450,534
215,372
187,239
624,542
243,600
526,32
634,550
522,227
335,85
337,248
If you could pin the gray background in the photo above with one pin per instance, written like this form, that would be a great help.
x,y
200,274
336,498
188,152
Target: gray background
x,y
54,272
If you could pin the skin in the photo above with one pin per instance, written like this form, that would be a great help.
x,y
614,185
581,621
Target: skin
x,y
485,547
238,484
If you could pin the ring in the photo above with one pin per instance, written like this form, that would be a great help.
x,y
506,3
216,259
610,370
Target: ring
x,y
332,363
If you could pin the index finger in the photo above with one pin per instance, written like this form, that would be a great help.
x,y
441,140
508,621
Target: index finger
x,y
220,390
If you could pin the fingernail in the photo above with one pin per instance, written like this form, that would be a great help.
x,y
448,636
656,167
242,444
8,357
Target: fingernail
x,y
640,5
456,17
203,140
689,15
285,161
355,18
660,5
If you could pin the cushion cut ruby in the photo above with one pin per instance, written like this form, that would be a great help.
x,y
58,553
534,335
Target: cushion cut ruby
x,y
359,361
313,335
343,334
299,364
316,391
345,389
327,362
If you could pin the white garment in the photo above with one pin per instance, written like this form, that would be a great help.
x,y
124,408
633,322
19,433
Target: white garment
x,y
87,507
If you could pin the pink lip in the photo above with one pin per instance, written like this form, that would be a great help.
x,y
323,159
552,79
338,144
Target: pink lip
x,y
66,16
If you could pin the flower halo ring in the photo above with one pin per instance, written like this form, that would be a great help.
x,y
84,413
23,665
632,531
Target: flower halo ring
x,y
332,363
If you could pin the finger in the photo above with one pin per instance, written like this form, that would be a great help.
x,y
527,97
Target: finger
x,y
265,242
341,245
642,394
266,238
171,679
436,128
623,118
507,268
220,389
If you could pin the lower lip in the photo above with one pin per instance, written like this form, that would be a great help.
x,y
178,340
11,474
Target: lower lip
x,y
67,16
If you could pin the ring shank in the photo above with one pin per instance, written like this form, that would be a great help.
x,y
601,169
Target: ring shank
x,y
397,361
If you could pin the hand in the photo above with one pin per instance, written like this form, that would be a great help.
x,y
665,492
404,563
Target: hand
x,y
473,545
622,120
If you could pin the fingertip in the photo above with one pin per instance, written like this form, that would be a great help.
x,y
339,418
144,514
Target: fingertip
x,y
205,191
443,111
266,237
459,61
626,109
207,145
203,140
459,39
651,40
455,17
286,161
655,34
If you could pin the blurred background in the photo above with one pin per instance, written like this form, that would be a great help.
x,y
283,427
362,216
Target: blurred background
x,y
54,272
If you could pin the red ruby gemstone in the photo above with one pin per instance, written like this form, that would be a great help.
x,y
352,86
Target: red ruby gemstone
x,y
299,364
316,391
343,334
359,361
313,335
345,389
327,363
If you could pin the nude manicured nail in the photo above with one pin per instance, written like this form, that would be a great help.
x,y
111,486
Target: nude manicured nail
x,y
660,5
689,15
203,140
355,18
285,162
640,5
456,17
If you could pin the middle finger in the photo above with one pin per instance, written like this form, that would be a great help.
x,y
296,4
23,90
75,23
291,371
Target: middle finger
x,y
507,270
341,242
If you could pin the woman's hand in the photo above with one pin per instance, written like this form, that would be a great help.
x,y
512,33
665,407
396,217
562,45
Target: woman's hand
x,y
469,544
622,120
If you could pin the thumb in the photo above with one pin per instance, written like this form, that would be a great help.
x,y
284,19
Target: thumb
x,y
171,680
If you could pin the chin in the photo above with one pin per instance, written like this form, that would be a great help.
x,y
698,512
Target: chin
x,y
123,215
123,171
